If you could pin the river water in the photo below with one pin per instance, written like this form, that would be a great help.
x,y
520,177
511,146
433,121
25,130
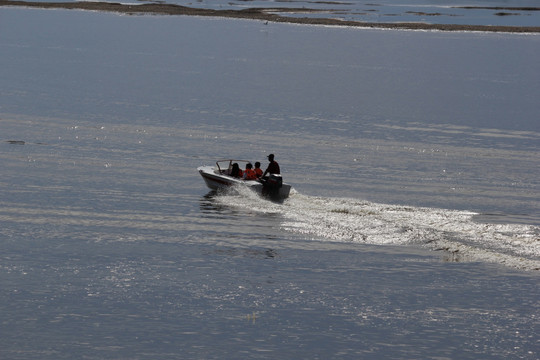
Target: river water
x,y
412,230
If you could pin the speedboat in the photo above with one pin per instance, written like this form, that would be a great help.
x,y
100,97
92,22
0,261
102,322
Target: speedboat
x,y
218,178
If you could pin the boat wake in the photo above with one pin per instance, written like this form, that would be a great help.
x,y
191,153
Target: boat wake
x,y
453,232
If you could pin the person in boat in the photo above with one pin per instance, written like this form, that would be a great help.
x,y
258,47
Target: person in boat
x,y
258,169
273,167
249,173
236,171
271,184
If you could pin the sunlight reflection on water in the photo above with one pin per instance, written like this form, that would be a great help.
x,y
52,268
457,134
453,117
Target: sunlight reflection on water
x,y
113,247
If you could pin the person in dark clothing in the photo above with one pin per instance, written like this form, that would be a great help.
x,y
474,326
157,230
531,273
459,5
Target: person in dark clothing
x,y
273,182
273,167
236,171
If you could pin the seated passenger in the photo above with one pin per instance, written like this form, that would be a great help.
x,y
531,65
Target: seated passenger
x,y
258,169
250,174
236,171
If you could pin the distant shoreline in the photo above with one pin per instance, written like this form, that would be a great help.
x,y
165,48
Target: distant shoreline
x,y
264,14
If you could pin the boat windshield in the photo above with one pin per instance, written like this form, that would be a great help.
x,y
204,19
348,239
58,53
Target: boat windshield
x,y
225,166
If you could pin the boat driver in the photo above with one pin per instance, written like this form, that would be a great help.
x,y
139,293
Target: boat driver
x,y
273,167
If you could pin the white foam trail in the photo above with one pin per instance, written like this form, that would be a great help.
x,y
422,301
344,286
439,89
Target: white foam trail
x,y
352,220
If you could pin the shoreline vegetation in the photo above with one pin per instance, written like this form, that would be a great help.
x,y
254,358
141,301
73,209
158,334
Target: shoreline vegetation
x,y
263,14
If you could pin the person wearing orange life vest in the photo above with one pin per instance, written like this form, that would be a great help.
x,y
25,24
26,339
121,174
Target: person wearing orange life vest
x,y
249,173
258,169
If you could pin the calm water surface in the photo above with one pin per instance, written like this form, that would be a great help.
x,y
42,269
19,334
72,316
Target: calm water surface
x,y
412,231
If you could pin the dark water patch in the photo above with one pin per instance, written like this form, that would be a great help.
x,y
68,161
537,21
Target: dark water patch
x,y
421,13
247,252
505,14
523,8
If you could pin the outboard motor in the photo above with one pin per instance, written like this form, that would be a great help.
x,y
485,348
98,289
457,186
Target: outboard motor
x,y
275,181
271,185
